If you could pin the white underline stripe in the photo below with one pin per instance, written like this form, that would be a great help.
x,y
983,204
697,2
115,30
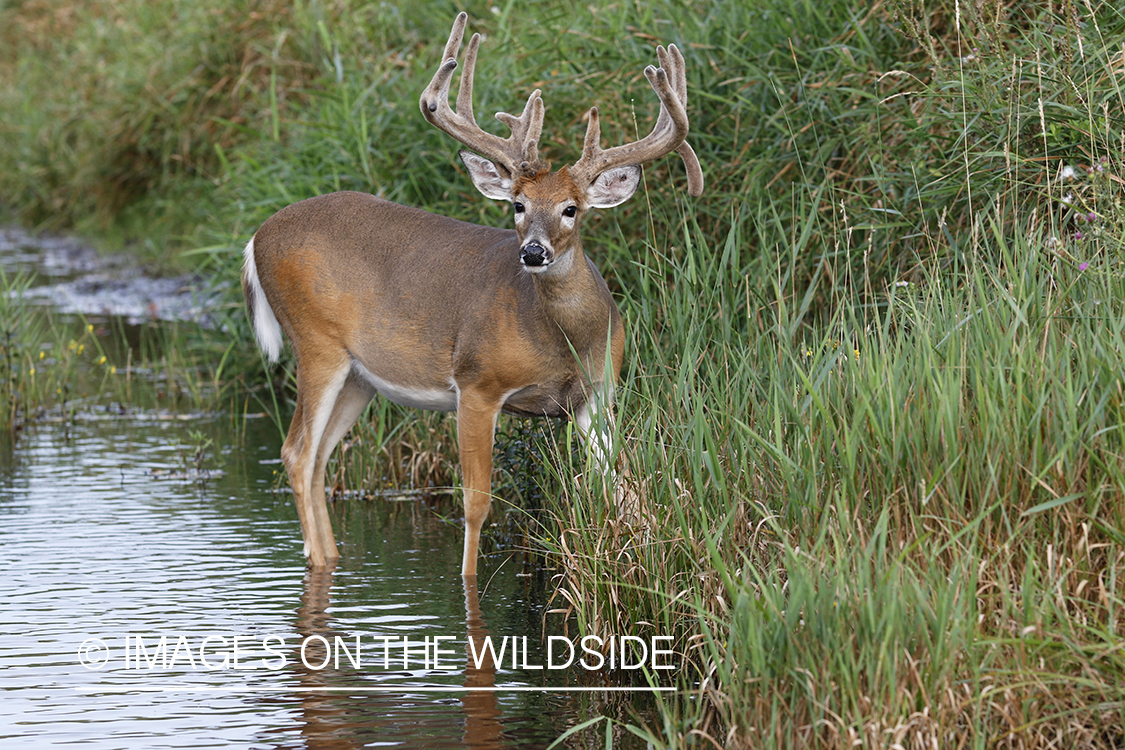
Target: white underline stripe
x,y
360,689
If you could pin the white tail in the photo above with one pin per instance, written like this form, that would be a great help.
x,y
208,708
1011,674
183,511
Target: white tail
x,y
266,328
436,313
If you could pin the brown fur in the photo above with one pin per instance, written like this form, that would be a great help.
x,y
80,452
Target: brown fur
x,y
428,304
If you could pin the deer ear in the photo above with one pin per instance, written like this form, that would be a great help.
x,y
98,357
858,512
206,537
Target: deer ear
x,y
613,187
491,180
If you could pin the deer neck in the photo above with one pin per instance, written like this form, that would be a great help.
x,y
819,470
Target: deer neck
x,y
576,300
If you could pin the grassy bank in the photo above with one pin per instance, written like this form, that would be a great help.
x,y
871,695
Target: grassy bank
x,y
904,524
62,366
873,397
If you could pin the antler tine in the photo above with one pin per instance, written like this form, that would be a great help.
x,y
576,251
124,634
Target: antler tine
x,y
526,128
592,143
438,90
669,81
694,171
465,90
676,72
514,154
456,34
673,61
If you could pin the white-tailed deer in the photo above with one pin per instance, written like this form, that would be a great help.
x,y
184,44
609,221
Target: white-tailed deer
x,y
440,314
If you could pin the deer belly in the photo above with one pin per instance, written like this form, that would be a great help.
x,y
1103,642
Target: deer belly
x,y
432,399
536,401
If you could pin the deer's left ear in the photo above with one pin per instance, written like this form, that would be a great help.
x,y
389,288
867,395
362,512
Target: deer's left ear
x,y
490,180
613,187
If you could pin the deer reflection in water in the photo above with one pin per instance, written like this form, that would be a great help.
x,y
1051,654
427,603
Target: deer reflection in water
x,y
339,720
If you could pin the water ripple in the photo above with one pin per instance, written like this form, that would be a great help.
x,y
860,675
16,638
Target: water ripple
x,y
103,537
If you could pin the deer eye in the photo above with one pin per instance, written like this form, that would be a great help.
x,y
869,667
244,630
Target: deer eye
x,y
570,211
518,207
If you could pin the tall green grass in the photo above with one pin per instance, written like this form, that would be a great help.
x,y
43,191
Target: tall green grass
x,y
871,415
904,521
114,112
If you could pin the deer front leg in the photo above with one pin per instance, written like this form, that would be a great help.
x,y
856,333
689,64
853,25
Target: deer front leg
x,y
595,423
476,422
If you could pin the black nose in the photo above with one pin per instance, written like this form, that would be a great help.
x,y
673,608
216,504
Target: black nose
x,y
533,254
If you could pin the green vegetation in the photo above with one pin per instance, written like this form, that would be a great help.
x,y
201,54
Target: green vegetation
x,y
60,366
905,522
873,402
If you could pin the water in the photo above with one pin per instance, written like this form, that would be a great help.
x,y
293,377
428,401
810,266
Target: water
x,y
111,529
70,277
106,534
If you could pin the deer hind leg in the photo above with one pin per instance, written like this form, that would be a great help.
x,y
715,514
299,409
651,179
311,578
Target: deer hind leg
x,y
353,398
320,380
476,422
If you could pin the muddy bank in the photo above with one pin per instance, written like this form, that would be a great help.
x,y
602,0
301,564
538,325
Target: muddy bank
x,y
72,277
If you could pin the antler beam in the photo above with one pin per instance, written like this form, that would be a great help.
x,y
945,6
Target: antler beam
x,y
518,153
668,134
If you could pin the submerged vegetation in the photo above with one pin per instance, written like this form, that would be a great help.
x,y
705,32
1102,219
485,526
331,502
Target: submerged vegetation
x,y
871,420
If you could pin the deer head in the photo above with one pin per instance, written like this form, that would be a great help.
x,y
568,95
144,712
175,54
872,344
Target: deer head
x,y
549,205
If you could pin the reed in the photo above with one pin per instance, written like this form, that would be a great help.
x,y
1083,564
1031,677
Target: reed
x,y
872,407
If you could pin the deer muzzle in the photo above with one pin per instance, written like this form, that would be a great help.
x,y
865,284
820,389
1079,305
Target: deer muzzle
x,y
534,255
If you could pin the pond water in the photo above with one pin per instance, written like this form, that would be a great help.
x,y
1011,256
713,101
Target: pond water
x,y
71,277
154,596
107,534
